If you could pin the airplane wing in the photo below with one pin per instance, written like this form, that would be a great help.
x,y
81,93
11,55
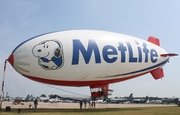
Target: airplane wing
x,y
76,98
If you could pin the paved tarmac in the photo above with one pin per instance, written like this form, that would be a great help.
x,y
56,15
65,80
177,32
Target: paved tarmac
x,y
25,105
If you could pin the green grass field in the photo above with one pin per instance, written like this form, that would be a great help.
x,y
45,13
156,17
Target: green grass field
x,y
171,110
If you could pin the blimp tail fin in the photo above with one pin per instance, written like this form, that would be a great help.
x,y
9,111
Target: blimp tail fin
x,y
154,40
157,73
169,54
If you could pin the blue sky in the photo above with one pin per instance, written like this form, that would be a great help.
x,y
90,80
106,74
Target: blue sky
x,y
23,19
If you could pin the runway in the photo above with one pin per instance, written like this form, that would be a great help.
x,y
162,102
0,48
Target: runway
x,y
43,105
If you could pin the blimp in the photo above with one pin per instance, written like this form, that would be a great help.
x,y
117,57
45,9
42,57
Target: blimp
x,y
91,58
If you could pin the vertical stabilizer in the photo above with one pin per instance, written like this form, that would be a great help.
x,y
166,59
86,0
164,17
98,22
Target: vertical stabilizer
x,y
154,40
157,73
130,98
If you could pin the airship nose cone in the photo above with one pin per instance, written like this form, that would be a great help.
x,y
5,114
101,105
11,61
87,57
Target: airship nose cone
x,y
11,59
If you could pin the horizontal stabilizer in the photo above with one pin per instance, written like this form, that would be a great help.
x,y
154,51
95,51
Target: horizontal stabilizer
x,y
157,73
169,54
154,40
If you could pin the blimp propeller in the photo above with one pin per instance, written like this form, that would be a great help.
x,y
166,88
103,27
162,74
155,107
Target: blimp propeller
x,y
88,58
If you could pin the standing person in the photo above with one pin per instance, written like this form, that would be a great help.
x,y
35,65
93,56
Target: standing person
x,y
85,102
35,104
94,104
81,104
89,104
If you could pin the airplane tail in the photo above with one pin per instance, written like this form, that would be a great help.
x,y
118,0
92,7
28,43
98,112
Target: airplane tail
x,y
130,96
158,73
146,99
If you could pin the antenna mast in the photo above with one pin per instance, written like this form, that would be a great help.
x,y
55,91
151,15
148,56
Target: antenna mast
x,y
2,93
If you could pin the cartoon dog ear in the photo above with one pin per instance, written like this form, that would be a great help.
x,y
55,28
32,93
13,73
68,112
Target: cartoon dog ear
x,y
57,52
43,42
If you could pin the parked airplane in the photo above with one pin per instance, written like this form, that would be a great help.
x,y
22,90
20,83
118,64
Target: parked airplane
x,y
76,98
88,58
141,100
178,102
122,100
173,100
28,98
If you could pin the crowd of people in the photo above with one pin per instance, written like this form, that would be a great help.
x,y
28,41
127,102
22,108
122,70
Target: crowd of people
x,y
92,104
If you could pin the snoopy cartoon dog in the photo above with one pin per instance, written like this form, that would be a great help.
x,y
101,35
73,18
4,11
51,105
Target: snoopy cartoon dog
x,y
49,54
